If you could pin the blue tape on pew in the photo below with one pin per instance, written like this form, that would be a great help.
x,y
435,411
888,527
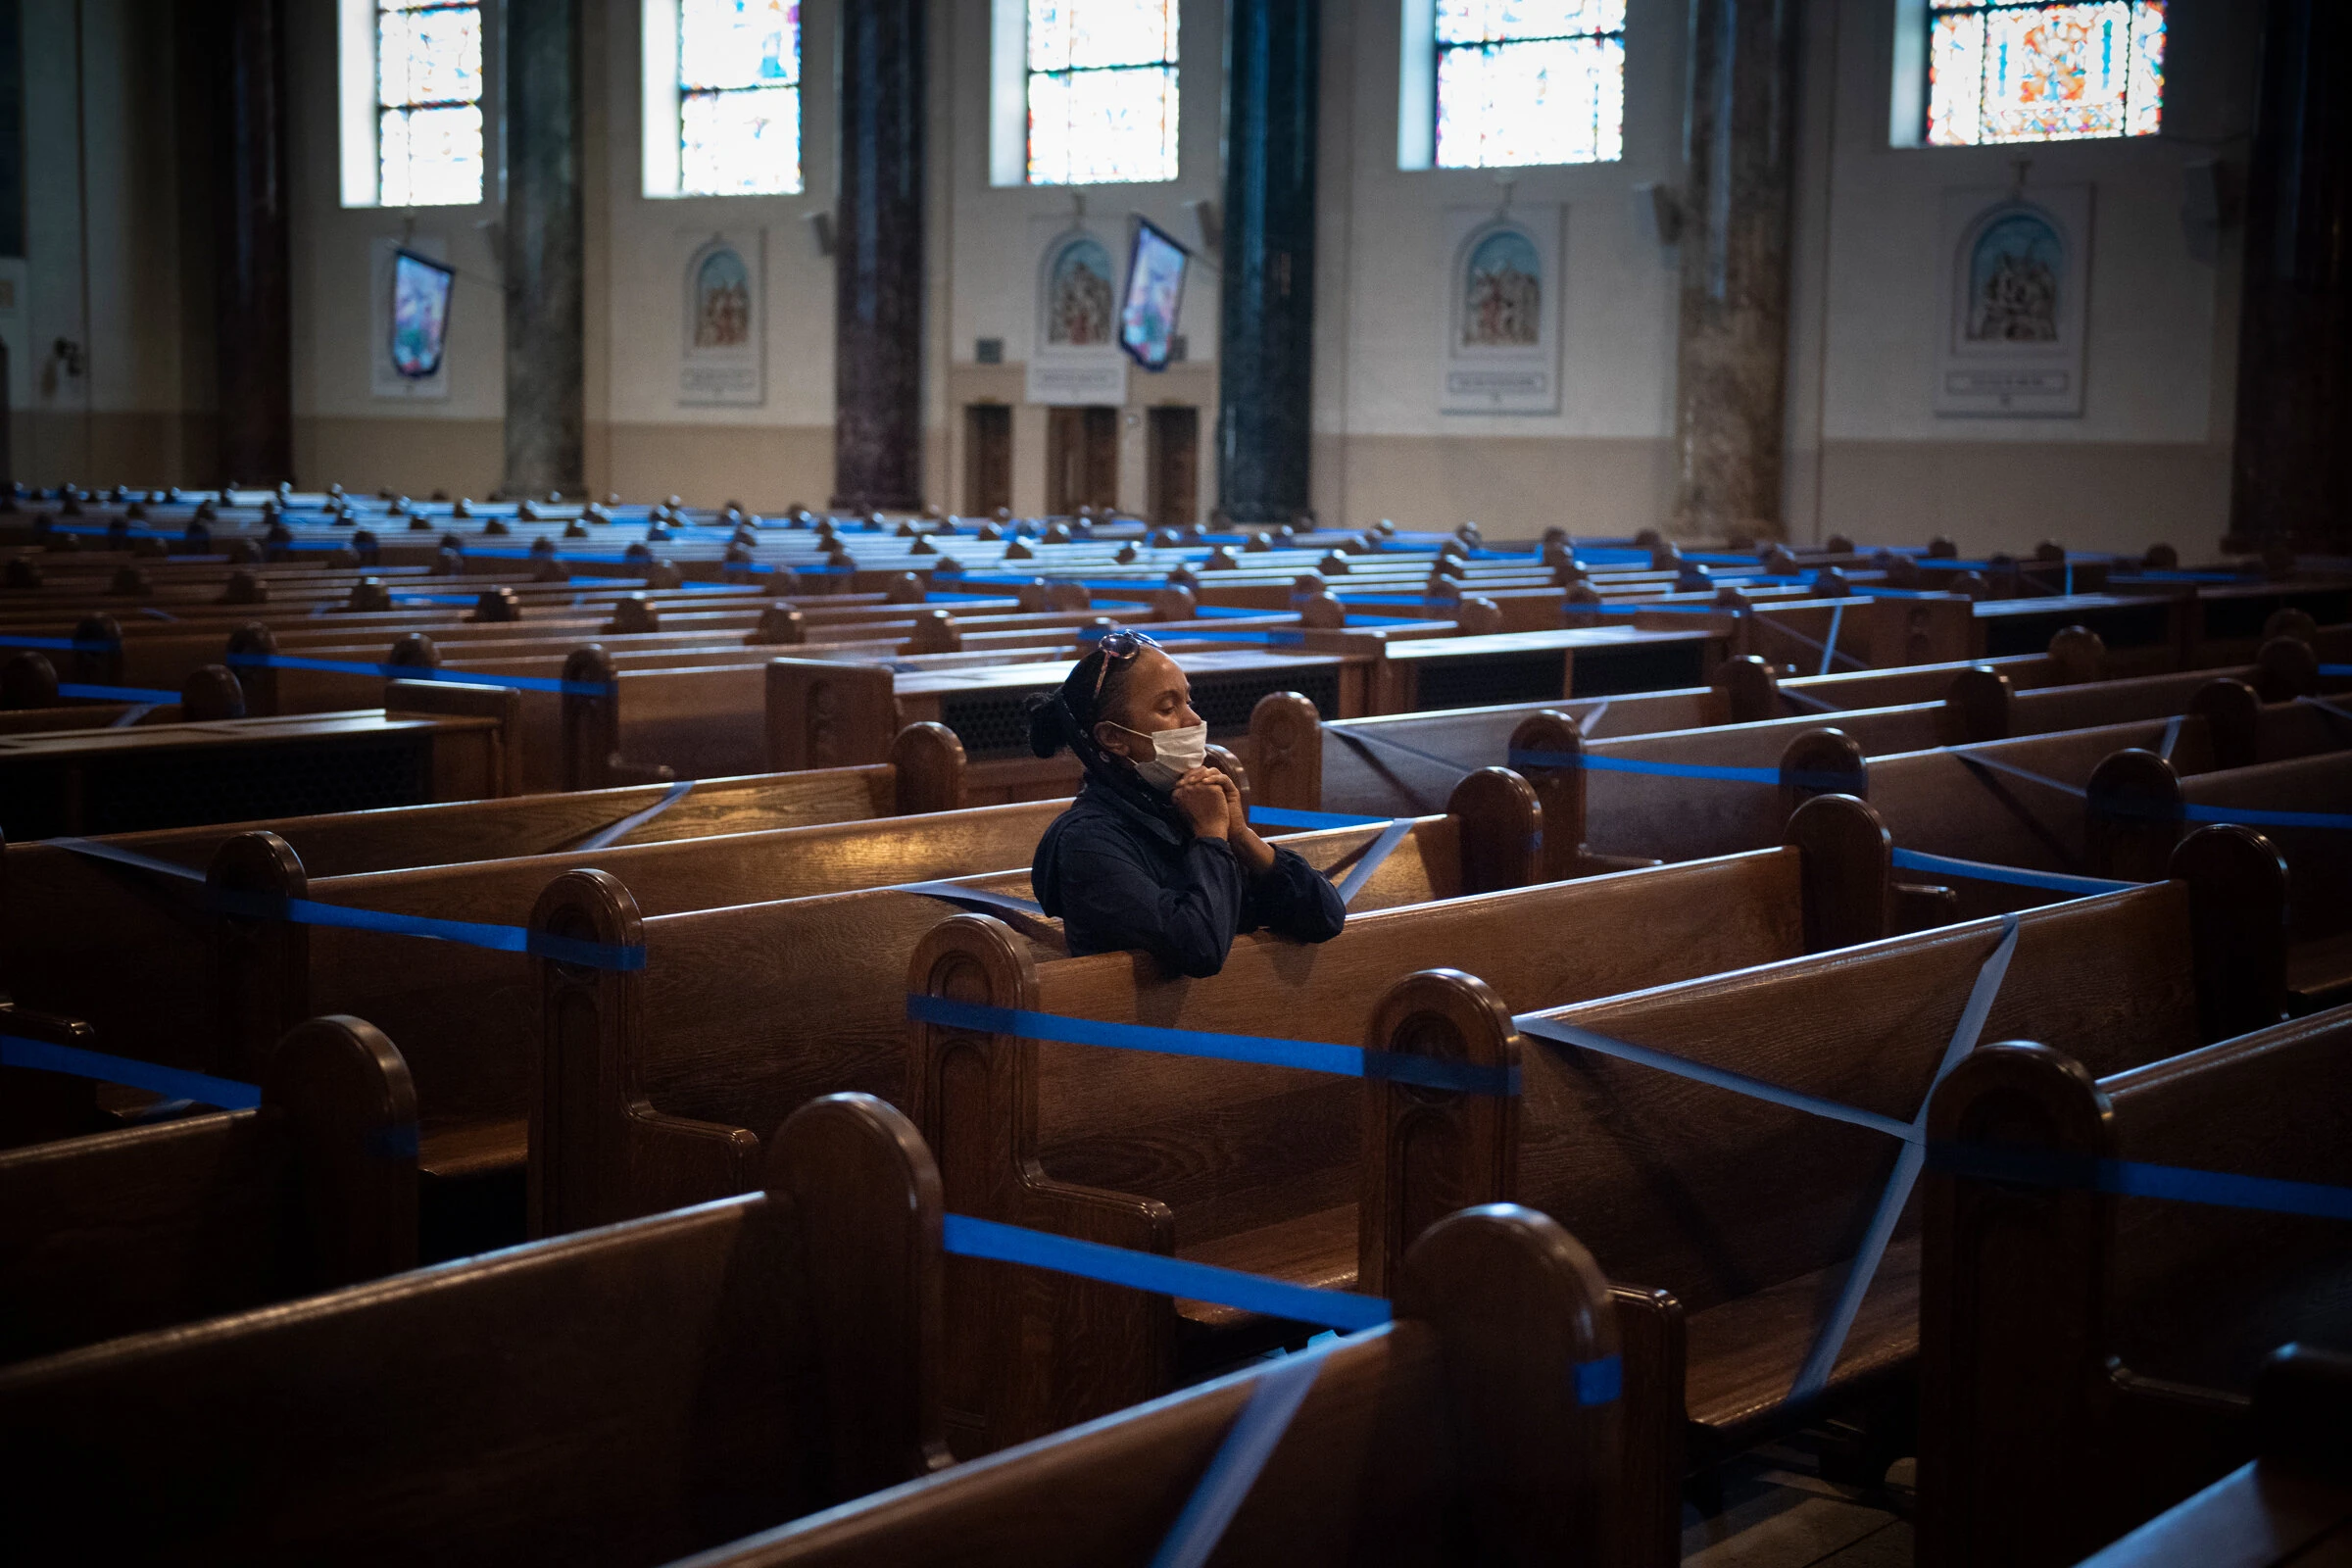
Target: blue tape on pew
x,y
2130,1178
1373,737
605,837
116,694
1593,717
352,666
153,613
2171,734
1255,1433
1984,871
1308,1055
1814,1375
2336,669
1972,759
1808,699
966,1236
1568,1034
309,911
2325,707
133,714
1307,821
45,1057
1827,650
977,898
1382,848
77,644
2247,816
1588,763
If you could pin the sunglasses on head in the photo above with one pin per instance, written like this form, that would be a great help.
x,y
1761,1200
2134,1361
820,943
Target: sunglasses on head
x,y
1121,643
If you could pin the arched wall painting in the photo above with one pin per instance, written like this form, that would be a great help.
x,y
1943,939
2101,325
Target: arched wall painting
x,y
2014,277
1079,298
723,359
1501,311
1074,356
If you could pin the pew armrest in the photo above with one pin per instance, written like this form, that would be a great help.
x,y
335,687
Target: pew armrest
x,y
1919,907
1650,1338
676,1160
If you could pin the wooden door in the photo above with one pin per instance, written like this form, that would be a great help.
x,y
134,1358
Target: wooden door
x,y
987,457
1174,439
1081,460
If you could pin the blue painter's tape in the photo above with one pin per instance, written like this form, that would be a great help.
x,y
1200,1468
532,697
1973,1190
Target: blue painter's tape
x,y
966,1236
2337,670
1307,821
1591,763
1308,1055
116,694
352,666
1600,1382
45,1057
976,898
1382,848
1254,1435
309,911
1739,1083
1983,871
2127,1178
77,645
612,833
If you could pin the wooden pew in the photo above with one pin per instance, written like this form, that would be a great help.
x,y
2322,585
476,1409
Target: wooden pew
x,y
1254,1166
1450,1436
55,964
2290,1504
428,743
2136,812
154,1226
648,1086
619,1398
2085,1358
1730,1223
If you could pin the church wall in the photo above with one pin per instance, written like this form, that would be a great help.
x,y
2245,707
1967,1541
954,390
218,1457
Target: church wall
x,y
1868,455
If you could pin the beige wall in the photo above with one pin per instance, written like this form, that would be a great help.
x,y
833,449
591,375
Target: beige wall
x,y
2148,458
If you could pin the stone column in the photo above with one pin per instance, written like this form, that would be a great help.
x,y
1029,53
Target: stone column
x,y
2291,475
878,274
1732,357
1266,332
253,316
546,299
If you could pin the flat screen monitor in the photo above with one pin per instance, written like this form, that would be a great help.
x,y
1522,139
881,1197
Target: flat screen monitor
x,y
1154,291
420,290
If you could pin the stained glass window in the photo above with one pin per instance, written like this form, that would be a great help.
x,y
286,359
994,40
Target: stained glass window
x,y
2043,73
739,97
1530,81
1103,95
428,98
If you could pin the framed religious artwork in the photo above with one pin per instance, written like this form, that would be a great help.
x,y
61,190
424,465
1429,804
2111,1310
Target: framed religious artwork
x,y
1500,311
1074,356
2013,301
724,354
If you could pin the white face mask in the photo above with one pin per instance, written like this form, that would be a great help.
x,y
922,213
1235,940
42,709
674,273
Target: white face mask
x,y
1174,753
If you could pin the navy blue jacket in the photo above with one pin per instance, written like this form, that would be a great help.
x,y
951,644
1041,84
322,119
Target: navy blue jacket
x,y
1119,877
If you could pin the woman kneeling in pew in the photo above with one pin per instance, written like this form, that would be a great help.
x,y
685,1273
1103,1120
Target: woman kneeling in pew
x,y
1156,853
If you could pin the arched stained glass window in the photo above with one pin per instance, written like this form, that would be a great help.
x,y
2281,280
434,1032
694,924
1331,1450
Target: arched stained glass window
x,y
1102,91
1530,81
428,97
739,97
2043,73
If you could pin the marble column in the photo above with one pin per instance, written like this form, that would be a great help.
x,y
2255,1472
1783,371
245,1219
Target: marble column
x,y
253,318
546,298
2291,475
1731,354
878,257
1266,332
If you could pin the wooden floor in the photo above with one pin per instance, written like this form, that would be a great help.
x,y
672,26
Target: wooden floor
x,y
1777,1512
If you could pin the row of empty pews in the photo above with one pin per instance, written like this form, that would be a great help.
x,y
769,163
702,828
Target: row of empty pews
x,y
526,1037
